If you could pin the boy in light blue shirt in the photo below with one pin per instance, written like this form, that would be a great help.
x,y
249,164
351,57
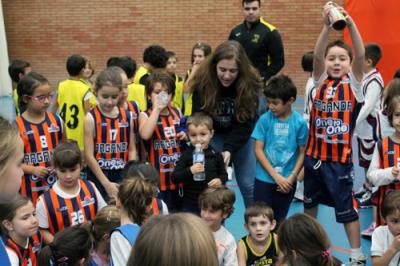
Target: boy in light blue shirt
x,y
280,138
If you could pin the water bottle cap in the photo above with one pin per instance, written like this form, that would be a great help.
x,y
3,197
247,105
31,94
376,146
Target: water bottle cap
x,y
198,145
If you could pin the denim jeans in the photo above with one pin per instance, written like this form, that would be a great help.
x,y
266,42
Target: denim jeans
x,y
244,164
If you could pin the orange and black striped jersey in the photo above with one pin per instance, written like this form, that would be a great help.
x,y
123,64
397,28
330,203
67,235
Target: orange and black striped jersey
x,y
332,121
27,255
40,140
111,138
388,152
135,111
65,212
164,147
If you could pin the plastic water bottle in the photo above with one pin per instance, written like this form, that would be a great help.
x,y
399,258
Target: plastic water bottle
x,y
198,157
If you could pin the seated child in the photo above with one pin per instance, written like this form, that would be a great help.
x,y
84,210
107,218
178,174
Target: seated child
x,y
385,245
200,131
71,201
260,246
216,204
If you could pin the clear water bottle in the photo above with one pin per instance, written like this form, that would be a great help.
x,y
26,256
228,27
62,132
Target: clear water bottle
x,y
198,157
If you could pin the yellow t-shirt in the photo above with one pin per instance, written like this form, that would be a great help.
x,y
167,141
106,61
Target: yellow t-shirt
x,y
70,98
137,93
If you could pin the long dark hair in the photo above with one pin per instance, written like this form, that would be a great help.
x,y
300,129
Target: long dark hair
x,y
248,83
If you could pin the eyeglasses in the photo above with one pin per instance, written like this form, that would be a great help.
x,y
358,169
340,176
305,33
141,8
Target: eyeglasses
x,y
41,98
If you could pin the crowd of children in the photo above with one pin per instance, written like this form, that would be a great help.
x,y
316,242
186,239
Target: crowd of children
x,y
103,158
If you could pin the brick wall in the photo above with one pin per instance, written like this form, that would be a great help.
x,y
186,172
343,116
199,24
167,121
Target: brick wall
x,y
46,32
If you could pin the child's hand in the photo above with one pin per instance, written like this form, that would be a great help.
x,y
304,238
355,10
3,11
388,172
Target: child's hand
x,y
158,102
197,168
396,243
112,190
227,157
40,171
325,14
284,185
181,135
215,182
395,172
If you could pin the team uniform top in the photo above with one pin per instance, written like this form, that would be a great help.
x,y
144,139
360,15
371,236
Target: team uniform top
x,y
39,142
178,101
57,209
24,256
70,98
333,118
380,172
367,122
111,138
164,148
135,111
267,257
140,76
310,91
137,93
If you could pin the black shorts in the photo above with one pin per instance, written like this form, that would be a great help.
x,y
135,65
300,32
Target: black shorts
x,y
330,184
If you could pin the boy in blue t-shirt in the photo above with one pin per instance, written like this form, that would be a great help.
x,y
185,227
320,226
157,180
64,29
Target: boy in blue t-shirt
x,y
280,138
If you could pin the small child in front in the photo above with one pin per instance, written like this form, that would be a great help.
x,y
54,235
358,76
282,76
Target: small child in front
x,y
200,131
260,246
216,204
280,137
385,245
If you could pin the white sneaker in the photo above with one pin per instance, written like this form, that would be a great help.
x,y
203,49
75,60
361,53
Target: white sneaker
x,y
360,261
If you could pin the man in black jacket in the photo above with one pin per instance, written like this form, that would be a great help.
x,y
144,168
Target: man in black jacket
x,y
261,40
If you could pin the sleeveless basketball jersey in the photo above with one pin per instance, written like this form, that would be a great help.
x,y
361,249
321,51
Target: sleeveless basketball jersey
x,y
111,139
40,140
164,147
388,152
137,93
92,100
177,101
267,257
130,232
188,102
156,207
63,212
71,94
139,74
368,128
135,111
332,121
27,256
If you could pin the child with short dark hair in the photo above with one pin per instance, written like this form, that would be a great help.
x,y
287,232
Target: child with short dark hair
x,y
154,58
303,241
200,131
385,245
280,137
73,98
157,127
17,69
71,200
216,204
260,246
367,124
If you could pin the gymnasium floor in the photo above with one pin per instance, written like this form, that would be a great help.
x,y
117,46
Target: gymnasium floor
x,y
326,216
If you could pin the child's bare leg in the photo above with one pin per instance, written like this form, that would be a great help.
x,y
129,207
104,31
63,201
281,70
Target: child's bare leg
x,y
353,233
313,212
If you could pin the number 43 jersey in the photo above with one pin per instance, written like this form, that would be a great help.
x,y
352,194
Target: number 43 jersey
x,y
70,98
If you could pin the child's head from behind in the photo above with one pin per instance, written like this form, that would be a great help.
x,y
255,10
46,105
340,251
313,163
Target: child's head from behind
x,y
302,237
67,161
134,198
157,82
200,129
155,56
171,239
18,218
338,58
259,221
125,62
108,87
76,65
135,169
307,61
373,54
71,246
106,220
199,52
216,204
11,155
281,94
18,68
391,211
34,92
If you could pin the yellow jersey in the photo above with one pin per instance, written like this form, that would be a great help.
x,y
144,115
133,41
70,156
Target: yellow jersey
x,y
177,101
70,99
139,74
137,93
